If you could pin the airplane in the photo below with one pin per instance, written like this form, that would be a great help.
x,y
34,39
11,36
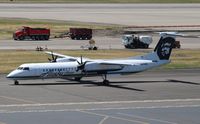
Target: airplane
x,y
62,66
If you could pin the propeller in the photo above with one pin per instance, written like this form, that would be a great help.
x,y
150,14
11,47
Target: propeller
x,y
54,58
81,65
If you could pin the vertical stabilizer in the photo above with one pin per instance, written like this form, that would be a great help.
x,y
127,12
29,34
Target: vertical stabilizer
x,y
164,47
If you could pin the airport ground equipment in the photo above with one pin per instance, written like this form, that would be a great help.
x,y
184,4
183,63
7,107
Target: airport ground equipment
x,y
136,41
177,44
80,33
26,33
91,45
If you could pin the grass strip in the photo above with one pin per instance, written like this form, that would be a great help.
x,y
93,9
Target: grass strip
x,y
9,25
11,59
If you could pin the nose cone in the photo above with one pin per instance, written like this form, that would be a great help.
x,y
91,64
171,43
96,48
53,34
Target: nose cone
x,y
11,75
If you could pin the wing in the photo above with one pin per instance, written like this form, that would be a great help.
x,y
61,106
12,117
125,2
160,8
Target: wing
x,y
65,58
58,55
102,65
124,62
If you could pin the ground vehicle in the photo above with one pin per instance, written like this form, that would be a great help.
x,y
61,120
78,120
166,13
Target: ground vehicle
x,y
80,33
91,46
31,33
176,44
136,41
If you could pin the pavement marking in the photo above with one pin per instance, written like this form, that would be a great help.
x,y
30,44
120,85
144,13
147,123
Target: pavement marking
x,y
103,120
157,120
119,118
66,110
20,100
93,103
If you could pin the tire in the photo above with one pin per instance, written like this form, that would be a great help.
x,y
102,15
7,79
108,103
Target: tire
x,y
78,38
46,37
146,46
77,78
32,37
41,37
16,82
21,38
72,38
95,48
36,37
126,46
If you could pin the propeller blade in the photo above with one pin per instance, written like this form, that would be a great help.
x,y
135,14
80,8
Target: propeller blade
x,y
78,62
49,59
54,58
52,55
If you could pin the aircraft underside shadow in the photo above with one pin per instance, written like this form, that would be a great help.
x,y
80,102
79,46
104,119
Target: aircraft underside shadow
x,y
184,82
112,84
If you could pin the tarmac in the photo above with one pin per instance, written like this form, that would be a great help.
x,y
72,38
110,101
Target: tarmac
x,y
106,42
123,14
152,97
155,96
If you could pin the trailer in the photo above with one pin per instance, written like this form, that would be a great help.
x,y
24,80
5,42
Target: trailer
x,y
26,33
136,41
80,33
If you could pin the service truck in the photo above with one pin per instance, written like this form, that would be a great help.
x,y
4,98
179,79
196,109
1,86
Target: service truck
x,y
132,41
25,33
80,33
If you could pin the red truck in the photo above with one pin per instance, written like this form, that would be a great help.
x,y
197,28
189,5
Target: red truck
x,y
31,33
80,33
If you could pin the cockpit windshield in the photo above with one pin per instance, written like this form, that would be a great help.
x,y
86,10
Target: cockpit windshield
x,y
20,68
23,68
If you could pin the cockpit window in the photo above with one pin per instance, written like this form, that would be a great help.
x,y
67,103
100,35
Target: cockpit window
x,y
20,68
26,68
23,68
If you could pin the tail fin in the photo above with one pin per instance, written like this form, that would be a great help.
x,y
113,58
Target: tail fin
x,y
164,47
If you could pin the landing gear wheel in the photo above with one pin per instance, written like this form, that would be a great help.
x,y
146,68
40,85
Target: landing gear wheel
x,y
105,82
77,78
16,82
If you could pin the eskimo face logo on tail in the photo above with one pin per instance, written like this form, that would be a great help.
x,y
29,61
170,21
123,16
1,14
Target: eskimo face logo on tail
x,y
165,47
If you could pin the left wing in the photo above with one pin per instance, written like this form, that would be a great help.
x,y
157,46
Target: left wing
x,y
65,58
59,55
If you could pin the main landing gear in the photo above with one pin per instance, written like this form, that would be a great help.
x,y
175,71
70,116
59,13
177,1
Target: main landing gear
x,y
16,82
77,78
105,81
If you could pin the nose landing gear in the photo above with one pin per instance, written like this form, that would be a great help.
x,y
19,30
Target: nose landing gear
x,y
16,82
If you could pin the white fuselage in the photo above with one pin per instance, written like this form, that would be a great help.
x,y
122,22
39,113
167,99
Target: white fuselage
x,y
69,69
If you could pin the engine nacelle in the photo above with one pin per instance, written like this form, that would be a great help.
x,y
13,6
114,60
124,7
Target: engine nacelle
x,y
64,60
93,66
